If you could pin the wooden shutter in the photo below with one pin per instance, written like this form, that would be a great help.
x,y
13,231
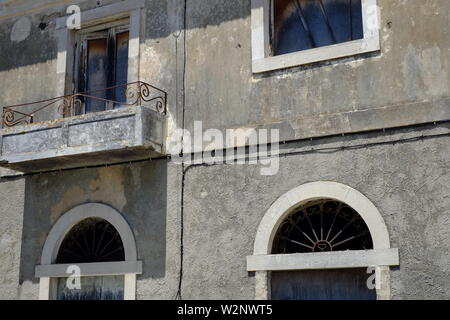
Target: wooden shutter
x,y
345,284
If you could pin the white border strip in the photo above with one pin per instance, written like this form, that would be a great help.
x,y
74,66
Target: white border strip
x,y
323,260
90,269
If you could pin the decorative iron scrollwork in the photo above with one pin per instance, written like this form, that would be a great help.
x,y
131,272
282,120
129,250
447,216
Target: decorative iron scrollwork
x,y
135,94
70,105
10,120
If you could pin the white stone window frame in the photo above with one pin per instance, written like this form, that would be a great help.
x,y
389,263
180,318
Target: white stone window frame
x,y
48,272
262,262
263,61
132,9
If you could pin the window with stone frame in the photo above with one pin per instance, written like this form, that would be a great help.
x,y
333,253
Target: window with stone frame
x,y
319,226
101,67
289,33
306,24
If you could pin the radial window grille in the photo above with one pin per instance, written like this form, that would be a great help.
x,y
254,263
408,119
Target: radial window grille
x,y
322,226
91,240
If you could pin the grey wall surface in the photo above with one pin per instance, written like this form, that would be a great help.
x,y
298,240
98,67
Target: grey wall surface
x,y
11,218
139,192
406,82
408,182
224,204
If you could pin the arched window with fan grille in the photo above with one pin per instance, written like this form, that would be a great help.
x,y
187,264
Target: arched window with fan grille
x,y
93,240
90,254
322,240
323,225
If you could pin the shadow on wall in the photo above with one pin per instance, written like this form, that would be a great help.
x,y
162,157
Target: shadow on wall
x,y
138,191
31,39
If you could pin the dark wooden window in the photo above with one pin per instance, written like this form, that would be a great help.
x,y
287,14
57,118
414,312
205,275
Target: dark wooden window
x,y
339,284
306,24
101,63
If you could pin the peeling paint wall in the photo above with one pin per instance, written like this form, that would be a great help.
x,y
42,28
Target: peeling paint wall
x,y
412,67
406,83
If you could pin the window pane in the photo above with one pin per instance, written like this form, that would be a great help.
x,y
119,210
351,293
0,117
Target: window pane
x,y
306,24
321,226
318,23
339,17
97,70
121,66
93,288
357,21
292,35
91,240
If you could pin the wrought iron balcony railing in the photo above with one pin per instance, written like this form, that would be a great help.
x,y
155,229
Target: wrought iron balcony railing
x,y
132,94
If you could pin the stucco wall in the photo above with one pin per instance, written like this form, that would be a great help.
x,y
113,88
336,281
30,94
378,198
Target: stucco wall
x,y
11,219
407,182
140,192
223,205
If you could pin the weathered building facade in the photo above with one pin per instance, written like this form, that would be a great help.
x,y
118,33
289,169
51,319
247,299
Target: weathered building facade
x,y
360,179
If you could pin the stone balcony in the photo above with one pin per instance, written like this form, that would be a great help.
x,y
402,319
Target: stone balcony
x,y
129,131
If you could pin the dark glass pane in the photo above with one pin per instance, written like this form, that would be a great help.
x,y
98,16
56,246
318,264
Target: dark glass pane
x,y
97,71
305,24
121,67
321,226
293,36
92,240
339,16
317,23
357,21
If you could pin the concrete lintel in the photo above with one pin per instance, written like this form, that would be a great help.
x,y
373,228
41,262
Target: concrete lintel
x,y
323,260
90,269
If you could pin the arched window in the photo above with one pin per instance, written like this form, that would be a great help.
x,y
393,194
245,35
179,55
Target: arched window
x,y
307,24
94,245
321,226
93,240
322,240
